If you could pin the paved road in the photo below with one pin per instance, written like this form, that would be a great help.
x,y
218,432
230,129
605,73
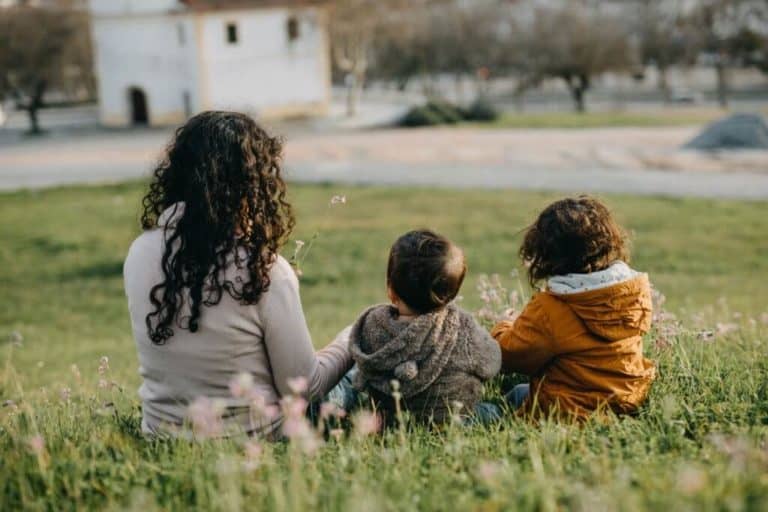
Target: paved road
x,y
587,161
649,182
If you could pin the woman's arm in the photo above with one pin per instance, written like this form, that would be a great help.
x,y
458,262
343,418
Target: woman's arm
x,y
289,344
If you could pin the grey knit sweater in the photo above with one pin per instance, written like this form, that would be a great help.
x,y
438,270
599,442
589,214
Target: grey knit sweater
x,y
439,358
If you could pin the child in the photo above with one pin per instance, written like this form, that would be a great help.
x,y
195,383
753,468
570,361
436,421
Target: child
x,y
579,340
437,352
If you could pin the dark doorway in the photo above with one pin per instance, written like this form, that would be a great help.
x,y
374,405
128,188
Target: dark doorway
x,y
139,111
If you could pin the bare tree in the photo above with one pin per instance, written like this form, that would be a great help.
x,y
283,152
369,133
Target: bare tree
x,y
41,48
573,42
721,26
355,26
439,39
664,37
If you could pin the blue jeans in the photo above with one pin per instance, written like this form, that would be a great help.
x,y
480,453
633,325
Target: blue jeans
x,y
487,413
343,395
517,396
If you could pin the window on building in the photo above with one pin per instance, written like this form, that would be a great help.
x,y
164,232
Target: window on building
x,y
293,29
232,35
181,34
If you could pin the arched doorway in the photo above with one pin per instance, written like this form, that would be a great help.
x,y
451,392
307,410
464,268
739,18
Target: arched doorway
x,y
137,100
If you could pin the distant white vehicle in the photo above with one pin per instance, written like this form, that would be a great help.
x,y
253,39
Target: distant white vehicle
x,y
686,96
160,61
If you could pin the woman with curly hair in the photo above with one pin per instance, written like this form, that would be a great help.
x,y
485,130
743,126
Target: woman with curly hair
x,y
209,296
580,339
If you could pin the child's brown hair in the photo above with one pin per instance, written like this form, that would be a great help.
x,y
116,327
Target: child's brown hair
x,y
425,270
573,236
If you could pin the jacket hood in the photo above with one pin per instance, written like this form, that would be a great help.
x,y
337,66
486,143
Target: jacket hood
x,y
414,352
614,310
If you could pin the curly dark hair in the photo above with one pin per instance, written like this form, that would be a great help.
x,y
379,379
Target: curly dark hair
x,y
226,170
425,270
573,235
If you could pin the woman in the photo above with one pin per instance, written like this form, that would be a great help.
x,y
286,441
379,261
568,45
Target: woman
x,y
209,296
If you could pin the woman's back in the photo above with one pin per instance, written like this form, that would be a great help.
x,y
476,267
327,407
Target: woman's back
x,y
229,341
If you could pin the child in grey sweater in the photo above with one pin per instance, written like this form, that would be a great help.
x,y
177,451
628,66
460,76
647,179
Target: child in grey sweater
x,y
437,353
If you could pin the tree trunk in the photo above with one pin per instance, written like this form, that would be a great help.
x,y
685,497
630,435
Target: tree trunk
x,y
351,99
355,81
722,83
33,107
666,93
578,87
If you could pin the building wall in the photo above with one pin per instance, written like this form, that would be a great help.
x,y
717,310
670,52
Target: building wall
x,y
265,73
154,52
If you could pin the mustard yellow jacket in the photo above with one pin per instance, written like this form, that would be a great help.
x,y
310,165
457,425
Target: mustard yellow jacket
x,y
583,351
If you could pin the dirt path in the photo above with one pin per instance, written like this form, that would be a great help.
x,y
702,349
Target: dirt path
x,y
622,160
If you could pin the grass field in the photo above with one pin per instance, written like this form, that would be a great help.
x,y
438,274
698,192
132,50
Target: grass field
x,y
699,444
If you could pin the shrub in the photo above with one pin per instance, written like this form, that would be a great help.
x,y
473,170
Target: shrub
x,y
449,113
420,116
482,111
442,112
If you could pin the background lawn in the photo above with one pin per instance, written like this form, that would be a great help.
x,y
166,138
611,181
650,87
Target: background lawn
x,y
683,116
61,254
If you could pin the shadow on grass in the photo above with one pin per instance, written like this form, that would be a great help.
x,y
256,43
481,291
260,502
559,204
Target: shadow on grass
x,y
100,270
50,246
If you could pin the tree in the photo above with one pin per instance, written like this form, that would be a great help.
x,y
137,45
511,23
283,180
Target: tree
x,y
573,42
355,26
725,30
664,38
41,49
437,39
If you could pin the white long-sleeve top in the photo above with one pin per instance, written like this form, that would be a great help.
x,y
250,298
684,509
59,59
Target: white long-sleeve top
x,y
268,340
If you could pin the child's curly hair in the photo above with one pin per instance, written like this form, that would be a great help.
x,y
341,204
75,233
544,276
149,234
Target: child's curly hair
x,y
573,235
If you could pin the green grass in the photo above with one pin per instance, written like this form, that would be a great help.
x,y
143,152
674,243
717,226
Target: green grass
x,y
609,119
700,443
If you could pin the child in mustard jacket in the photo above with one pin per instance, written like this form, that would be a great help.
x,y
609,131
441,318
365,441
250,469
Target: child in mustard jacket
x,y
580,339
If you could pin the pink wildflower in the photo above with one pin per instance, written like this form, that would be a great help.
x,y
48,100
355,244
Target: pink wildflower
x,y
296,427
298,385
103,365
253,452
65,394
205,415
294,407
262,410
36,444
691,480
241,385
488,471
724,329
367,423
329,410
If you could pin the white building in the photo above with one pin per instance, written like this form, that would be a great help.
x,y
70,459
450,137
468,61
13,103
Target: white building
x,y
160,61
